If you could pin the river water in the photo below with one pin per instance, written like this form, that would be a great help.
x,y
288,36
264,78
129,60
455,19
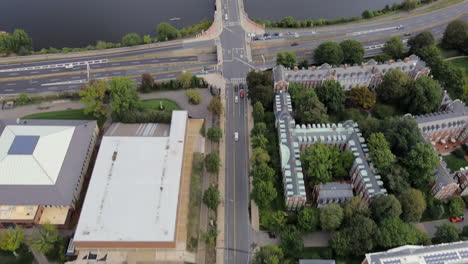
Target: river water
x,y
78,23
315,9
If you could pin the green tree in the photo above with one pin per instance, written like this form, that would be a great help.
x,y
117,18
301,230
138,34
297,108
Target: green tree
x,y
413,205
363,96
147,39
276,221
331,95
261,88
291,242
421,40
212,198
317,161
184,80
44,238
393,87
263,193
367,14
147,82
269,254
123,95
357,238
263,172
212,162
131,39
394,48
353,51
421,163
329,52
402,134
447,233
380,152
356,206
259,129
307,107
6,43
21,40
215,133
259,141
456,206
258,112
331,217
260,156
166,32
455,34
409,4
385,206
286,58
209,237
342,163
11,239
397,178
303,64
396,233
93,97
22,99
309,219
215,106
424,96
193,95
452,79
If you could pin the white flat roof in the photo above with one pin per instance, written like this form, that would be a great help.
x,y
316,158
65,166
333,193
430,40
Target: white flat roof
x,y
134,190
33,155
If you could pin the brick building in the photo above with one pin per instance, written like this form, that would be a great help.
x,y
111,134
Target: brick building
x,y
42,167
369,74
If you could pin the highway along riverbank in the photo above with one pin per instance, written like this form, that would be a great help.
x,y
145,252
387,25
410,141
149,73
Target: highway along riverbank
x,y
79,23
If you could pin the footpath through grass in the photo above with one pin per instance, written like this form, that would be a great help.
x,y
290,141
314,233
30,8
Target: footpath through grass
x,y
195,202
155,104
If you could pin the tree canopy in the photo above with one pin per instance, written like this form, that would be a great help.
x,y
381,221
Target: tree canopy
x,y
393,87
413,204
215,106
184,79
331,217
291,241
380,152
131,39
269,254
93,97
211,197
261,88
309,219
318,161
356,206
212,162
215,133
456,206
395,233
286,58
44,238
166,32
11,239
331,95
123,95
362,96
353,51
329,52
307,107
394,48
424,96
385,206
447,233
421,40
357,238
456,34
421,163
263,193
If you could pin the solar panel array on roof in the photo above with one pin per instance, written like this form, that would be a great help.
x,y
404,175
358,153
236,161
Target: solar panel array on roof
x,y
441,258
396,261
23,145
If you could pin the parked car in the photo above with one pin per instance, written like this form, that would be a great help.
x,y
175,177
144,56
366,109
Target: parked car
x,y
456,219
407,34
256,38
276,34
295,44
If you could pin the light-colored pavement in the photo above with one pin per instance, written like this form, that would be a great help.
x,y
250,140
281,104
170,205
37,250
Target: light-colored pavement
x,y
20,111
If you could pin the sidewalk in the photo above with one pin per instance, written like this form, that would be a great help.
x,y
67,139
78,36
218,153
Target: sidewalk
x,y
20,111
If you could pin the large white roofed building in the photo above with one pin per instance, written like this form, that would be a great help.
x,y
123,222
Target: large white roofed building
x,y
133,197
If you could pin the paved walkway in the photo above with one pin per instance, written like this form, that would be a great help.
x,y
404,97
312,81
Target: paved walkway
x,y
20,111
315,239
431,227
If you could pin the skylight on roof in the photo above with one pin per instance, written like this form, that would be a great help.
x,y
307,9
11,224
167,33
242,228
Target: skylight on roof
x,y
23,145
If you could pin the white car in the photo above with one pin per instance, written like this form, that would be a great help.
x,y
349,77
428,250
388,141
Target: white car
x,y
236,99
68,66
236,136
225,17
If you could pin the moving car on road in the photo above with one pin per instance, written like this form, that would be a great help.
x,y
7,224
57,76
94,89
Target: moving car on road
x,y
456,219
236,136
236,99
69,66
241,93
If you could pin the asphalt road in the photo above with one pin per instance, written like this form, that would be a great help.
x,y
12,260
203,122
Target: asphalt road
x,y
235,68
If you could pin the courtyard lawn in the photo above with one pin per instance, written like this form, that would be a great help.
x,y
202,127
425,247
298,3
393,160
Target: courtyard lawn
x,y
454,163
73,114
461,63
154,104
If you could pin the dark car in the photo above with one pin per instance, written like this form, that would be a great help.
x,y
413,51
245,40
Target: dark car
x,y
295,44
276,34
241,86
407,34
267,35
256,38
236,88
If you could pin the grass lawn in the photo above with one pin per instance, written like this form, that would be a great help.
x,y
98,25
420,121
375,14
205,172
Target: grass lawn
x,y
74,114
454,163
154,104
195,201
461,63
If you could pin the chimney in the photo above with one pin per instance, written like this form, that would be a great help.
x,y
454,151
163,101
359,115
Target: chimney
x,y
389,62
313,68
362,65
346,66
406,59
296,68
334,72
